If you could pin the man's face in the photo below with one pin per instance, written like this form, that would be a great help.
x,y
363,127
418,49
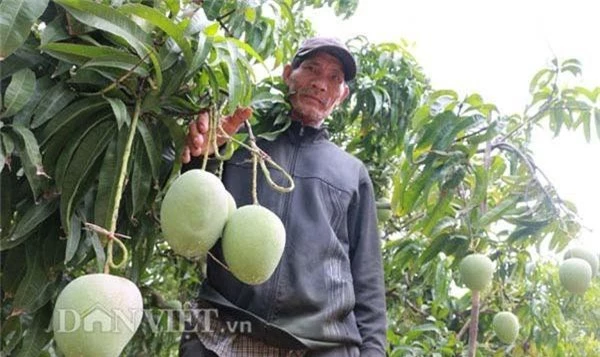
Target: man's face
x,y
316,87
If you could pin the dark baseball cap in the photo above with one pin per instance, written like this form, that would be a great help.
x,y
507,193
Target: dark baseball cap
x,y
330,45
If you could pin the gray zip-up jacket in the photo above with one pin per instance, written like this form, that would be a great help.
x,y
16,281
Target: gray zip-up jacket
x,y
328,288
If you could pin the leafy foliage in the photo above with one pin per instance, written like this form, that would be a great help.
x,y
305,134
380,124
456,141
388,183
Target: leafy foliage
x,y
96,94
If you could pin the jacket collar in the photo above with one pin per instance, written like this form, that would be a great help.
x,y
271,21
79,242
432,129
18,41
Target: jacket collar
x,y
303,133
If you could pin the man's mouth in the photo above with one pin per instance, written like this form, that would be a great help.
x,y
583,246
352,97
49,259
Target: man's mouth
x,y
316,99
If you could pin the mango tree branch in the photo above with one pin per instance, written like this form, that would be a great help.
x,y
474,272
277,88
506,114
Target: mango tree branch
x,y
474,320
473,326
222,24
124,165
112,226
254,153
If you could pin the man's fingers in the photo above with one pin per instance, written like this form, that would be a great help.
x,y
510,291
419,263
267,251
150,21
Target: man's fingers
x,y
198,131
241,115
185,156
231,124
202,123
193,134
196,151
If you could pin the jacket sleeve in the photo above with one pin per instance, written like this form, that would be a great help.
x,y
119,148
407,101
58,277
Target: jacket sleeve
x,y
367,269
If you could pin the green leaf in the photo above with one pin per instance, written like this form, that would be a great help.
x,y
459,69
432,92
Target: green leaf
x,y
53,245
78,113
55,31
585,119
8,182
173,6
159,20
153,154
126,62
474,100
98,250
441,100
16,19
120,110
56,99
177,135
249,50
497,211
444,138
31,158
479,194
175,79
250,14
73,238
417,331
80,169
60,150
33,217
79,54
140,185
572,61
541,79
377,97
212,30
27,56
416,190
557,119
434,216
23,117
13,270
19,92
434,248
574,69
3,157
197,23
524,232
158,79
205,44
11,334
38,335
497,169
35,289
236,83
105,18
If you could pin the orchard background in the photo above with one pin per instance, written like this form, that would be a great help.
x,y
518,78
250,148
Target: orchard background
x,y
93,93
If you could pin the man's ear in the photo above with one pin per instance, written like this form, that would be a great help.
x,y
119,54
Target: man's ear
x,y
344,94
287,72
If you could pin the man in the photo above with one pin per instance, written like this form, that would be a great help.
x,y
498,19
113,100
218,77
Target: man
x,y
326,297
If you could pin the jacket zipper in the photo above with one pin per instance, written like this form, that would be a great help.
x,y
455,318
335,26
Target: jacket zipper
x,y
285,215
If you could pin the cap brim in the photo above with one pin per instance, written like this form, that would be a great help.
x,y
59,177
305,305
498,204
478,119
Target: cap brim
x,y
345,57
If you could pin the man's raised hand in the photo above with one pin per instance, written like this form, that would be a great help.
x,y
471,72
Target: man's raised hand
x,y
196,142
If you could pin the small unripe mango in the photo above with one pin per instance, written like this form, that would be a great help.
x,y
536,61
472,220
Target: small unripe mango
x,y
575,275
585,254
506,326
476,271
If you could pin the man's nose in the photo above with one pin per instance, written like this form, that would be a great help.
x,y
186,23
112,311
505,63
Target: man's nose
x,y
319,84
